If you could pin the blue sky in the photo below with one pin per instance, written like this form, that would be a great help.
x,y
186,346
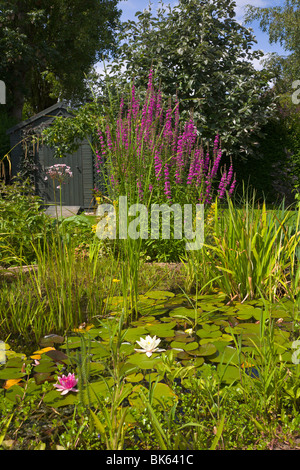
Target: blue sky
x,y
130,7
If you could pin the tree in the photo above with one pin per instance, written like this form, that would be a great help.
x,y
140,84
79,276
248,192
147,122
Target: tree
x,y
47,47
199,51
282,23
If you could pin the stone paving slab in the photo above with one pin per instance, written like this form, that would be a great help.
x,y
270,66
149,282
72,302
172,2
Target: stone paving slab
x,y
67,211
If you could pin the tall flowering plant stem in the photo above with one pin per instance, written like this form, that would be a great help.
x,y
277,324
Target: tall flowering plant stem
x,y
148,154
60,174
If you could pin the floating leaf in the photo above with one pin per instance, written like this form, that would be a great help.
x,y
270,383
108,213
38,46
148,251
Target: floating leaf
x,y
51,339
11,373
207,349
144,362
161,393
38,354
159,294
134,334
134,377
11,382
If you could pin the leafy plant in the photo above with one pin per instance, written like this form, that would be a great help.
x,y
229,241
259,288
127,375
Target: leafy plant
x,y
22,223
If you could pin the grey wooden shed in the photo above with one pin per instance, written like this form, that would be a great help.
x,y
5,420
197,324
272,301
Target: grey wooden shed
x,y
78,191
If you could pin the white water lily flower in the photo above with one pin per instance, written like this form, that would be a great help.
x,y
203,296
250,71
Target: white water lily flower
x,y
149,345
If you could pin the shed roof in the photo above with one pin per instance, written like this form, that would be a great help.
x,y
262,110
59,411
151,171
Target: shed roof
x,y
56,109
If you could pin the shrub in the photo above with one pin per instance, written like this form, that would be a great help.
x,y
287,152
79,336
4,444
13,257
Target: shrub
x,y
22,222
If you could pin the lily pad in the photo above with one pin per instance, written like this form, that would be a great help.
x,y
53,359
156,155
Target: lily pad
x,y
143,361
162,393
134,377
207,349
134,334
11,373
185,346
159,294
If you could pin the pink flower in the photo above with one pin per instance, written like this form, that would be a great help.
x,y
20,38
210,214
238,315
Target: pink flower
x,y
66,384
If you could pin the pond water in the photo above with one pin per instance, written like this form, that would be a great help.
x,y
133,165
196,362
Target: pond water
x,y
193,331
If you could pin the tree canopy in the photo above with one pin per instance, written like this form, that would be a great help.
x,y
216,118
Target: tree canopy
x,y
47,47
282,23
201,53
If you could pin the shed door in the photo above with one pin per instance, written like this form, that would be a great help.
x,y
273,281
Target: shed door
x,y
72,191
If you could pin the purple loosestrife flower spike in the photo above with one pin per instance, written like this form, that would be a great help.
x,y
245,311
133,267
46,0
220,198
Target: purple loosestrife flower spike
x,y
222,185
157,165
216,164
167,182
230,174
232,186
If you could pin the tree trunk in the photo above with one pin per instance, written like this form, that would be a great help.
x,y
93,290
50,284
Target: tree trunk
x,y
16,108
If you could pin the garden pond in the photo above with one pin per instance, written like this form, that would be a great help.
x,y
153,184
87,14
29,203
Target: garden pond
x,y
194,331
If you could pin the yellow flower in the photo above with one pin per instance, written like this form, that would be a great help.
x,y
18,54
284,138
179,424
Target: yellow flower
x,y
189,331
116,280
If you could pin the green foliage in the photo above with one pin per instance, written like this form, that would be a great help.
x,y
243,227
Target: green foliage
x,y
282,24
22,223
65,135
200,52
252,250
48,49
232,399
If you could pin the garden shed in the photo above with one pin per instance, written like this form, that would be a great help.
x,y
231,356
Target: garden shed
x,y
78,191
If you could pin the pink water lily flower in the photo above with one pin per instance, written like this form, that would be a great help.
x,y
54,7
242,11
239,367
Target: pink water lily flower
x,y
67,384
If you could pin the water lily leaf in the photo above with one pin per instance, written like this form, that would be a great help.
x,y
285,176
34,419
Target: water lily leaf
x,y
226,337
182,337
210,327
162,329
196,362
126,348
182,312
134,377
134,334
14,393
161,393
280,313
159,294
16,362
144,319
57,356
99,351
45,367
51,339
143,361
96,367
185,346
11,354
226,355
228,373
157,310
56,400
11,373
183,356
42,377
71,343
208,334
207,349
